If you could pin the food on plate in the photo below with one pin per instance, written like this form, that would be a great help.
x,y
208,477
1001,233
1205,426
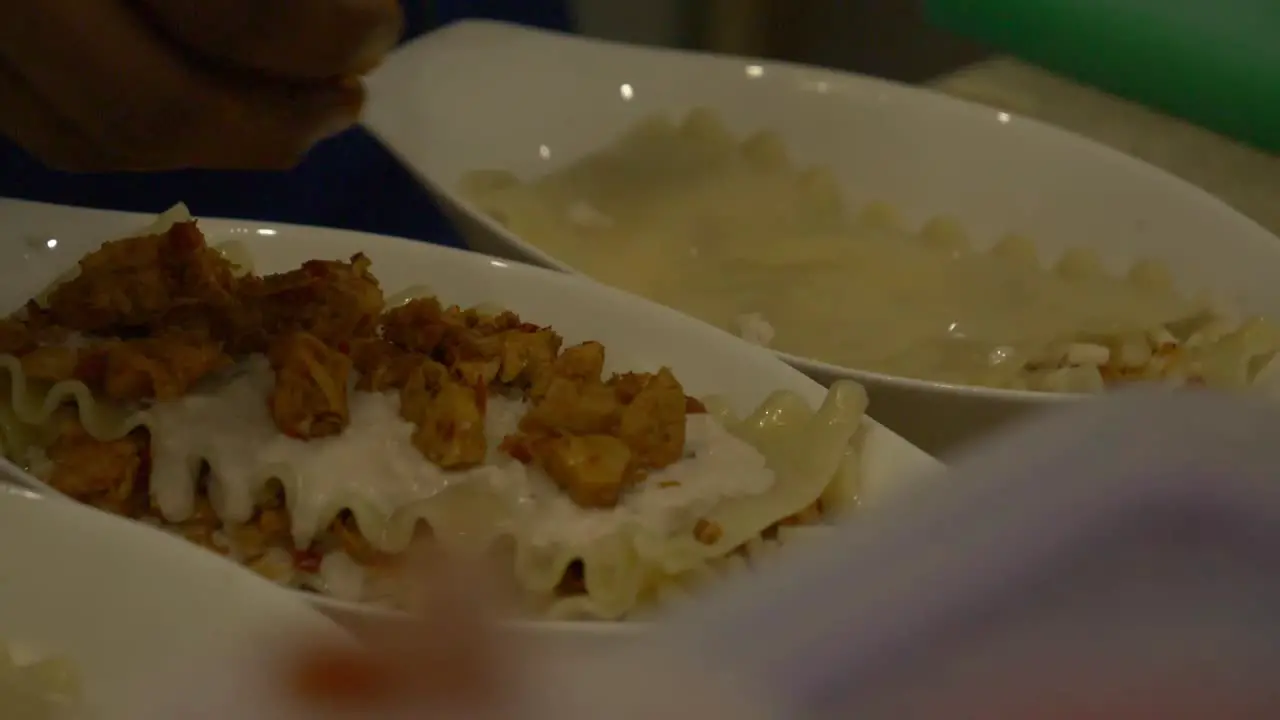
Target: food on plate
x,y
729,231
43,689
306,426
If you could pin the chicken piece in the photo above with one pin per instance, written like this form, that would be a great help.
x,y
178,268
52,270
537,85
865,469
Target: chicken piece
x,y
133,283
417,326
592,470
336,302
527,354
461,343
579,363
309,397
497,323
449,417
477,373
582,362
420,388
573,407
628,385
652,424
383,366
111,475
160,368
472,345
51,364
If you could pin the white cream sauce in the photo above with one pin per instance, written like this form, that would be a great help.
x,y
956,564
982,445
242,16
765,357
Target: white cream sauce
x,y
725,230
374,464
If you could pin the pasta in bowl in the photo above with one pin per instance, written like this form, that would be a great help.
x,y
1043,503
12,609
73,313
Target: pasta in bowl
x,y
302,423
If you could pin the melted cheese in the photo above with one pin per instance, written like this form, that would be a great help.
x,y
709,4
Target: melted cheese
x,y
374,463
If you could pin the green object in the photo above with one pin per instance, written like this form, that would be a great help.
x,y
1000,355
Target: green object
x,y
1213,62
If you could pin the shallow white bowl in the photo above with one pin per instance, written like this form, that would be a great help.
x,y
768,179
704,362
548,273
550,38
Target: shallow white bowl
x,y
42,241
483,95
125,603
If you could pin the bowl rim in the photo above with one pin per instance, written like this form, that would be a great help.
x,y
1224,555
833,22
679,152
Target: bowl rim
x,y
964,110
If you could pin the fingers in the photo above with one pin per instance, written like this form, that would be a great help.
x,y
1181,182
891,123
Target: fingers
x,y
291,38
135,100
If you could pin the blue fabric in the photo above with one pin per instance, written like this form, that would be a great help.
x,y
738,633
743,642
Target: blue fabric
x,y
349,181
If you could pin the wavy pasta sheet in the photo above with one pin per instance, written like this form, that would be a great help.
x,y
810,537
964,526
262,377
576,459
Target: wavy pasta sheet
x,y
36,404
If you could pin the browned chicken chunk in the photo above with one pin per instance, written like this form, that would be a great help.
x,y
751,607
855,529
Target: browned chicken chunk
x,y
416,326
159,368
133,283
579,364
527,354
643,413
573,407
592,470
449,417
382,365
309,397
652,424
108,474
335,301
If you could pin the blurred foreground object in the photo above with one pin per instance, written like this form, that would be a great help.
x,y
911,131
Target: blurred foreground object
x,y
1216,64
1113,560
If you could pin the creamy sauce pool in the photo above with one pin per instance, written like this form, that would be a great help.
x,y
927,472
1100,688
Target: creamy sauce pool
x,y
727,231
374,464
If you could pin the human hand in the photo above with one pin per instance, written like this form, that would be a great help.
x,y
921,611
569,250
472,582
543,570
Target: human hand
x,y
100,85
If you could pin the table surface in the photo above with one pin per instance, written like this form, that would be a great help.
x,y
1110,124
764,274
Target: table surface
x,y
1245,178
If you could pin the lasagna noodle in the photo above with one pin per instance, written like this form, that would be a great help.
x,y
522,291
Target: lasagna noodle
x,y
35,404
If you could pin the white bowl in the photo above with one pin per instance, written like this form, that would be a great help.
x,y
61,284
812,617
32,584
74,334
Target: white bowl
x,y
124,602
44,240
484,95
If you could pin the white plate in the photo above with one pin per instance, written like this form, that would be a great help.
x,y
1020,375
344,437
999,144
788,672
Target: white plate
x,y
42,241
125,602
483,95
